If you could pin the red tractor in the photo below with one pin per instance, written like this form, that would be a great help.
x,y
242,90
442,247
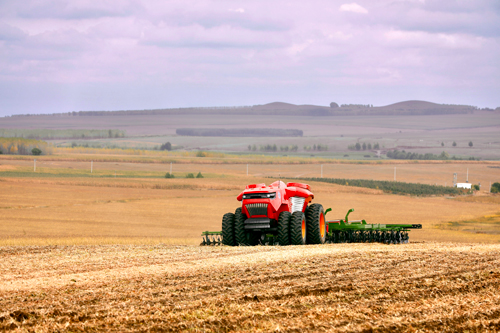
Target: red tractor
x,y
275,214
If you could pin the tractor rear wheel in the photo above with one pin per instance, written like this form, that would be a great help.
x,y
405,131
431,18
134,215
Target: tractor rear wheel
x,y
298,230
284,228
316,224
228,229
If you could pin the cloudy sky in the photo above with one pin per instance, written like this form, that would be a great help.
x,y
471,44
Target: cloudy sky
x,y
59,56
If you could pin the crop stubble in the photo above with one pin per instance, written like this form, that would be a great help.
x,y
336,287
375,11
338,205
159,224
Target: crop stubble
x,y
344,287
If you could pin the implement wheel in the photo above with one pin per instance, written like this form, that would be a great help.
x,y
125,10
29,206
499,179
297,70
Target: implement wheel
x,y
316,225
298,230
284,228
228,229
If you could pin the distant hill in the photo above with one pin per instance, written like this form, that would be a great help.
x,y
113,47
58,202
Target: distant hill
x,y
280,108
412,105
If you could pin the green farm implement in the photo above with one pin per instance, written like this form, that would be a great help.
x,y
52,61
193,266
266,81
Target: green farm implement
x,y
281,214
341,231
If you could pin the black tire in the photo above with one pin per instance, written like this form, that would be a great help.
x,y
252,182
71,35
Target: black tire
x,y
297,233
228,229
316,224
284,228
240,234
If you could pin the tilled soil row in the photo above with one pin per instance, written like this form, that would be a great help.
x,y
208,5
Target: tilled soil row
x,y
343,287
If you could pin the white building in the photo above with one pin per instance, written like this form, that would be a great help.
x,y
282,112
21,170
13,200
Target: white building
x,y
464,185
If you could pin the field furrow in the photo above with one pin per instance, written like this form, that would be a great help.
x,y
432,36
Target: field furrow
x,y
345,287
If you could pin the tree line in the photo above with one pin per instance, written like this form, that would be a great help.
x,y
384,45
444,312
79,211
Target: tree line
x,y
49,134
21,146
239,132
394,187
292,148
364,146
403,155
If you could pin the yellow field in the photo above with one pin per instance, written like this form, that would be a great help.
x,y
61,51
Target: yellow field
x,y
63,201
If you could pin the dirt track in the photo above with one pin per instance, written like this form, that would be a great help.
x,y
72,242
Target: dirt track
x,y
342,287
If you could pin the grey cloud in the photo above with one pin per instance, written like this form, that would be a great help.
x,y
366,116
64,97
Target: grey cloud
x,y
480,18
75,10
220,17
217,37
10,33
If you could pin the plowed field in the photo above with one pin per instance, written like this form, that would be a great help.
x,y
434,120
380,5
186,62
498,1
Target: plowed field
x,y
342,287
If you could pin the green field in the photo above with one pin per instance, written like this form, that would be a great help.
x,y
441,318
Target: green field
x,y
421,134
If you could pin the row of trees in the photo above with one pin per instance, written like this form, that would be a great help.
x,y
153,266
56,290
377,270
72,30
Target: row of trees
x,y
48,134
20,146
239,132
318,147
292,148
454,144
394,187
188,175
403,155
364,146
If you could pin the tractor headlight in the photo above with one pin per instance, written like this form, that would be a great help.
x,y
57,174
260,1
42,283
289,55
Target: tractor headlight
x,y
271,195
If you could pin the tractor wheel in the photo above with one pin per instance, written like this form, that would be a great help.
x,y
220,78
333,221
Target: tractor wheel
x,y
316,224
228,229
284,228
298,230
240,233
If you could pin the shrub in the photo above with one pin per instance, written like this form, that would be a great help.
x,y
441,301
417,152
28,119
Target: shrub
x,y
470,144
201,154
346,155
475,187
166,146
495,188
169,175
366,155
36,151
190,175
199,175
454,144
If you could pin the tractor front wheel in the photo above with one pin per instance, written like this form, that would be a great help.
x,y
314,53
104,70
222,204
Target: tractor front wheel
x,y
239,227
316,224
228,229
284,228
298,229
242,236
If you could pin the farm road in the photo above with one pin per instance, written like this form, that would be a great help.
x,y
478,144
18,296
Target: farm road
x,y
337,287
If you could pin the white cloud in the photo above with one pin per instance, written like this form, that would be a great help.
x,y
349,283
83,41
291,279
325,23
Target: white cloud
x,y
238,10
353,7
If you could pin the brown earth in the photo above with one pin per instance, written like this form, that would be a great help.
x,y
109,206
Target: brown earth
x,y
344,287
